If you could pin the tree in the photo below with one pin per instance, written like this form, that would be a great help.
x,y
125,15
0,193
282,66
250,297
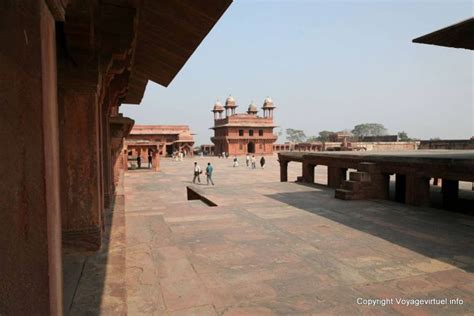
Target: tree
x,y
369,129
295,135
403,136
324,136
312,139
279,132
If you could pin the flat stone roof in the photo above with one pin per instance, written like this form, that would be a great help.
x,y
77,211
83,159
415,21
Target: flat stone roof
x,y
416,155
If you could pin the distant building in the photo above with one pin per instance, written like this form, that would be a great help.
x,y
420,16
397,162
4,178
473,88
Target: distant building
x,y
242,133
340,136
166,138
207,149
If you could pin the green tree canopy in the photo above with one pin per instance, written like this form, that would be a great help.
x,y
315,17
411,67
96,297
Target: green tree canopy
x,y
369,129
325,135
403,136
295,135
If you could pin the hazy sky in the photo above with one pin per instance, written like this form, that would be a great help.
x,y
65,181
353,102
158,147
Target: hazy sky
x,y
327,65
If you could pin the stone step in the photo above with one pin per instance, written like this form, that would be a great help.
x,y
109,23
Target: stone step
x,y
369,167
359,176
352,185
343,194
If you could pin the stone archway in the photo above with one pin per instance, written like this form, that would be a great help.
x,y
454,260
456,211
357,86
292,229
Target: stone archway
x,y
251,148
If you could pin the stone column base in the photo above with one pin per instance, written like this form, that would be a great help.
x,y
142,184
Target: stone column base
x,y
86,239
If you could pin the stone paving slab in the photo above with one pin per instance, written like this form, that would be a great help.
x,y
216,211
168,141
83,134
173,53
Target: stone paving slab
x,y
95,282
272,248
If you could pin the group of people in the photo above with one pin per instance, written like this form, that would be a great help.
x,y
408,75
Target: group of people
x,y
198,172
150,160
178,155
224,155
250,161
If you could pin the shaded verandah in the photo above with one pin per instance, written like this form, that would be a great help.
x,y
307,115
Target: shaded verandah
x,y
67,68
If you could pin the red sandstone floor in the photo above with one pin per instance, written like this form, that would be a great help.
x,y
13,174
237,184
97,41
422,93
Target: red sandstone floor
x,y
272,248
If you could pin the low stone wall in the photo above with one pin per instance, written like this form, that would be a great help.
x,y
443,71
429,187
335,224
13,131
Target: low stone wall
x,y
387,146
458,144
374,146
366,146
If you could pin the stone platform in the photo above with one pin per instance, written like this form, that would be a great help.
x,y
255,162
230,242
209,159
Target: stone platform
x,y
280,248
371,173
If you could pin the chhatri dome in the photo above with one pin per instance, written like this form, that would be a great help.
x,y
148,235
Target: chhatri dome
x,y
230,101
268,103
218,107
252,108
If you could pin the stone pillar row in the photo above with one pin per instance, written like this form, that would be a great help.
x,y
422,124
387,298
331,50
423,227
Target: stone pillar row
x,y
81,154
92,80
30,214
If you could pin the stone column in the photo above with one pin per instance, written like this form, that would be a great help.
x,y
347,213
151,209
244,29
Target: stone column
x,y
308,172
417,191
283,171
106,155
30,222
380,185
336,176
125,160
79,117
450,190
156,161
400,188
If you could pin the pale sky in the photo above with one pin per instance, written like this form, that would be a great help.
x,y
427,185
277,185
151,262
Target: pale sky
x,y
327,65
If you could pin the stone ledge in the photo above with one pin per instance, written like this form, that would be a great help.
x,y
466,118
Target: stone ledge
x,y
194,193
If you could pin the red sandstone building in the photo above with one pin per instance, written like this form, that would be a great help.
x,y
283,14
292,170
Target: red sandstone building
x,y
242,133
167,139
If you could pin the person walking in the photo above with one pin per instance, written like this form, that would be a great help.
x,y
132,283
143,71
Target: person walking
x,y
209,171
262,162
254,162
247,160
150,160
139,161
236,162
197,172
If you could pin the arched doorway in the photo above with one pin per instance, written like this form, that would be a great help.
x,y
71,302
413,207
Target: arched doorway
x,y
251,148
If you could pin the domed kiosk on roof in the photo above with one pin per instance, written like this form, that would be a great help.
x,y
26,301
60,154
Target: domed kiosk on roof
x,y
230,101
252,109
217,110
230,106
268,107
218,105
268,103
243,133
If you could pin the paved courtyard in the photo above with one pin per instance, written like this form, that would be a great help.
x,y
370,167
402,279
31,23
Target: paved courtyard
x,y
272,248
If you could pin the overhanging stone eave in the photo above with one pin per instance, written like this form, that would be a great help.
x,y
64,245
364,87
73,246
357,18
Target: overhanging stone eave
x,y
148,38
458,35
